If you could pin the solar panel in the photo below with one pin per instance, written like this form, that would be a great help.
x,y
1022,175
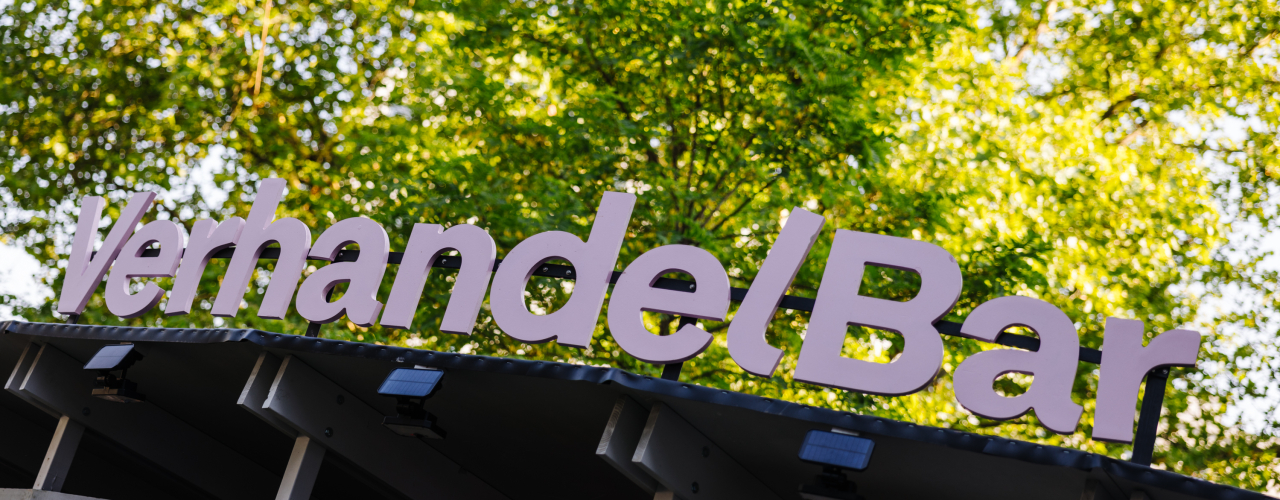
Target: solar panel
x,y
411,382
839,450
109,357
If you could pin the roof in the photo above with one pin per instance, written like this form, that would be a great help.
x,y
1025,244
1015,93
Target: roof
x,y
526,429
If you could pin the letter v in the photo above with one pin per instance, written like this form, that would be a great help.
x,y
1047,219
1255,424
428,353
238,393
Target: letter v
x,y
85,271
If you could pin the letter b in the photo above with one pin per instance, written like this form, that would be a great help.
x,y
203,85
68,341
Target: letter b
x,y
838,305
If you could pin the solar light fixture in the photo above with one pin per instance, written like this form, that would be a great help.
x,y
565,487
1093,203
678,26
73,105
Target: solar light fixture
x,y
110,359
835,452
412,387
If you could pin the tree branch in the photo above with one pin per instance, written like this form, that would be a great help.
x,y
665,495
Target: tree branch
x,y
1117,106
1030,43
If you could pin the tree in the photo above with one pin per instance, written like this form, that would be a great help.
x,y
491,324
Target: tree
x,y
1046,145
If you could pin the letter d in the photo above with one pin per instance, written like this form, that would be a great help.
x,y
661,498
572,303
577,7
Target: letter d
x,y
593,261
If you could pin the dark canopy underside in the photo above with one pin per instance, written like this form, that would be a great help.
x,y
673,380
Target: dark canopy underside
x,y
529,429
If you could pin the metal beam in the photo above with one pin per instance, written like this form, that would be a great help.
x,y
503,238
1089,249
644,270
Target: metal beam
x,y
304,466
19,374
59,383
618,444
1144,443
684,461
258,387
57,461
312,406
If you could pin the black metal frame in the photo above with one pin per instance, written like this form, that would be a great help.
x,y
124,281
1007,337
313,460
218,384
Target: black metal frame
x,y
1148,419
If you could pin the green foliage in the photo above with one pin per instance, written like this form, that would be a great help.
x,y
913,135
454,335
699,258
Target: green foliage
x,y
1079,152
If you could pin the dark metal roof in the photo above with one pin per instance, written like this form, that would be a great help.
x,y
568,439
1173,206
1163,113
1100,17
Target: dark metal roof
x,y
529,428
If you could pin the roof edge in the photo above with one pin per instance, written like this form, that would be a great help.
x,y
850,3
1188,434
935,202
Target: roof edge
x,y
977,443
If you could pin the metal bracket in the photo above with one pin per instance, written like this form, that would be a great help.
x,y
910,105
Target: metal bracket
x,y
672,371
1144,440
258,387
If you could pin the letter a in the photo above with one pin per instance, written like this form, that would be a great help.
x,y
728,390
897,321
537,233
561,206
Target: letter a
x,y
1053,365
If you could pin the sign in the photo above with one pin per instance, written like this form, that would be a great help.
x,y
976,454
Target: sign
x,y
838,305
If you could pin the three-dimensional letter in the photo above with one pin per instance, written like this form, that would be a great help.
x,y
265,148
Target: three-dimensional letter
x,y
207,238
84,272
294,238
634,293
593,261
838,305
1053,365
1124,364
426,243
747,344
363,277
131,264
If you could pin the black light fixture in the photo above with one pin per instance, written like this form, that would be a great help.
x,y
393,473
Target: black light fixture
x,y
108,386
412,387
834,452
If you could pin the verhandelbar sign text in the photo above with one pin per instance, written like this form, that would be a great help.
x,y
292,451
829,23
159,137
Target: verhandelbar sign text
x,y
1125,359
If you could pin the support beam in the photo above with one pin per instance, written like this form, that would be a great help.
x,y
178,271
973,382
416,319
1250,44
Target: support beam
x,y
310,405
1144,443
16,494
300,475
258,387
57,461
56,382
19,375
618,444
684,461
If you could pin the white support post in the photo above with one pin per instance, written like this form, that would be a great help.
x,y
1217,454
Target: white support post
x,y
307,404
300,475
57,461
